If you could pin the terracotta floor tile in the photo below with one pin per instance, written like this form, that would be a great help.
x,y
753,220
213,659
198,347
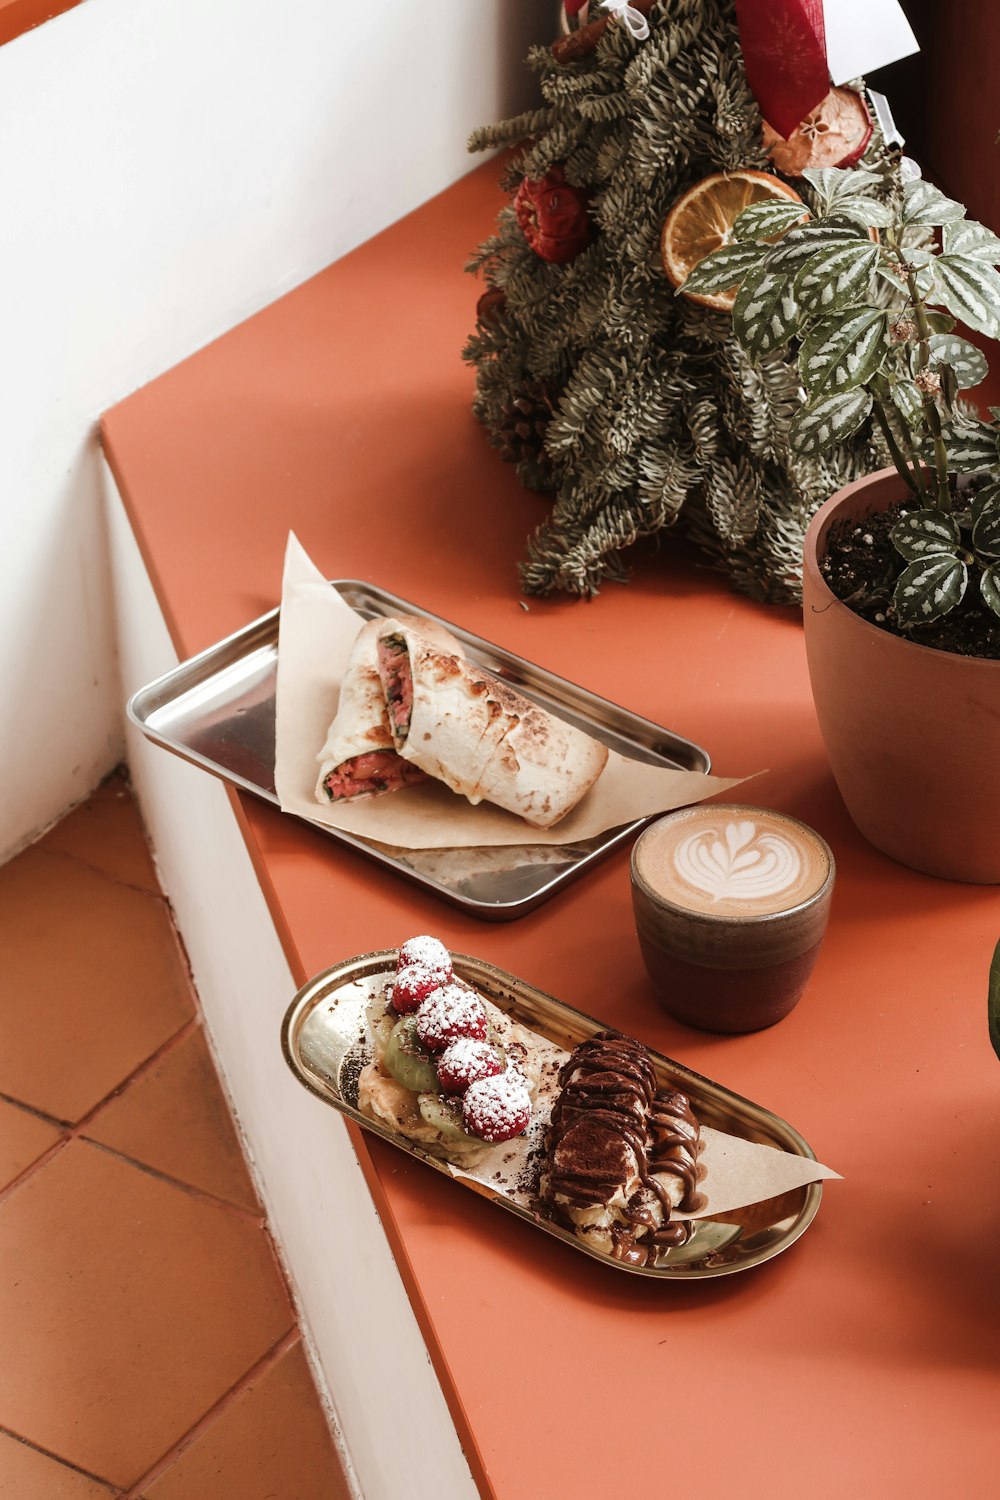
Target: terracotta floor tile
x,y
106,831
271,1443
26,1474
23,1138
176,1119
133,1307
92,980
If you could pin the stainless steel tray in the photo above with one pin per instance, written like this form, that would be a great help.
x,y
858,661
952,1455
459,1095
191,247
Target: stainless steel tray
x,y
325,1041
217,710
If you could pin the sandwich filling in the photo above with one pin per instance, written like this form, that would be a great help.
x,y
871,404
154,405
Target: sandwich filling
x,y
373,772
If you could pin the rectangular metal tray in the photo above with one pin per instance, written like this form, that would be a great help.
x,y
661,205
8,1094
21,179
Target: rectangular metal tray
x,y
217,711
325,1041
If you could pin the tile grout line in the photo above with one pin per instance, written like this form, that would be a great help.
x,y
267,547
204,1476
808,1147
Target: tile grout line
x,y
32,1109
254,1216
76,859
180,1035
159,894
65,1462
265,1363
70,1131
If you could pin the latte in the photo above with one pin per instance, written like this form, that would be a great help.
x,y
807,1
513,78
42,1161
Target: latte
x,y
727,861
731,905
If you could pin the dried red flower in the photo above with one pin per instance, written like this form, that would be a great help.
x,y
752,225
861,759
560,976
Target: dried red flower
x,y
553,216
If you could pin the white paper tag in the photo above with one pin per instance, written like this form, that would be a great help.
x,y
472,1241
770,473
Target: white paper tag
x,y
862,35
883,114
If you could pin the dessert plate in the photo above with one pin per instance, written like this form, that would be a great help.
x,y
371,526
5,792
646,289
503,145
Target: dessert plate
x,y
326,1044
217,710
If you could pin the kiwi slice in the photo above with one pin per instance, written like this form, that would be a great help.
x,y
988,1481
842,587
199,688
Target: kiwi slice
x,y
383,1029
380,1021
445,1114
408,1060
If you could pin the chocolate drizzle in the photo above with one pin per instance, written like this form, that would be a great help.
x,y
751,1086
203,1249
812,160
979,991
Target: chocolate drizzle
x,y
612,1134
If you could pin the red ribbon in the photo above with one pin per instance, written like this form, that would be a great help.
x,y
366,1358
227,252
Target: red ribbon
x,y
784,51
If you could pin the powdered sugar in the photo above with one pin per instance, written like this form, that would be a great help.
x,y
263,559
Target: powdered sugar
x,y
465,1062
413,983
429,951
497,1109
449,1012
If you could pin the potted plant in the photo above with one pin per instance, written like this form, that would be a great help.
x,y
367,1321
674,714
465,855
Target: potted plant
x,y
901,579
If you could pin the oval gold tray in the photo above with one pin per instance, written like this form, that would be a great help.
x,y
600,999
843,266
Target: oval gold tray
x,y
325,1041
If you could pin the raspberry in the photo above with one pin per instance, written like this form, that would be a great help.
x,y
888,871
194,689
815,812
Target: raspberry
x,y
497,1109
411,985
449,1012
428,951
466,1061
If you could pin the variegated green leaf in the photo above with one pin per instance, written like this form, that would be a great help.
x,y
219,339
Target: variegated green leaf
x,y
971,290
768,218
939,322
984,498
989,588
833,279
919,256
798,245
924,204
925,533
928,589
965,359
848,226
868,212
826,182
722,269
834,184
986,522
972,240
844,351
908,402
818,427
764,314
971,446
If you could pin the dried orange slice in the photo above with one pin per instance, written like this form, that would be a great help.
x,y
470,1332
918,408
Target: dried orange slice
x,y
702,221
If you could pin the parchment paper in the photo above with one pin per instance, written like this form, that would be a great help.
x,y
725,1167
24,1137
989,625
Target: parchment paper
x,y
317,630
736,1172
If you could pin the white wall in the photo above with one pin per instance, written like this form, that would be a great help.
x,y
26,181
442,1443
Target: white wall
x,y
166,168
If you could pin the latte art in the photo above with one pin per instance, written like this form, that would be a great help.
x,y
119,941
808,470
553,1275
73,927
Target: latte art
x,y
732,861
742,862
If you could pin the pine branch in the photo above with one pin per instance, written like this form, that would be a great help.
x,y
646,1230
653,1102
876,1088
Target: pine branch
x,y
657,418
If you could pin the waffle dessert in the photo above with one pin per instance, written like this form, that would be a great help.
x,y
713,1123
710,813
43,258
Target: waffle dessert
x,y
621,1155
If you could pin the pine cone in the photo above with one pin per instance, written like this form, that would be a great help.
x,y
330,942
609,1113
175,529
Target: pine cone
x,y
523,425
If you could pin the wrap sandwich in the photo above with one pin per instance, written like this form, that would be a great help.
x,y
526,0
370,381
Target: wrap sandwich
x,y
461,725
359,758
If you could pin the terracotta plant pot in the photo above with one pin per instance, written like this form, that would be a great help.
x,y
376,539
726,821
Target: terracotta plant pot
x,y
913,734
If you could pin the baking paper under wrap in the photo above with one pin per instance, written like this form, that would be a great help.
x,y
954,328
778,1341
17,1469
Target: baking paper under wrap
x,y
317,631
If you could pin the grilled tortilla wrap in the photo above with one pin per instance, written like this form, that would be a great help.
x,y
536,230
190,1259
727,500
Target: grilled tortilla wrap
x,y
462,726
359,758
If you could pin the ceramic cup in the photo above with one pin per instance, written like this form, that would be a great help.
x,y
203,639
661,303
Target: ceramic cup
x,y
731,904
